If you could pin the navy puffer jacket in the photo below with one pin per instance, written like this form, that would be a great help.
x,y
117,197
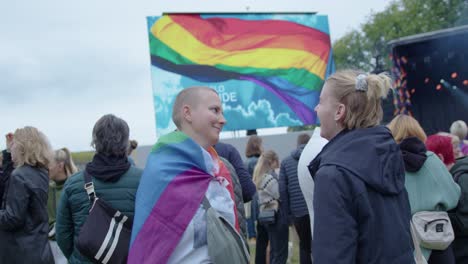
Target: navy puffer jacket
x,y
291,194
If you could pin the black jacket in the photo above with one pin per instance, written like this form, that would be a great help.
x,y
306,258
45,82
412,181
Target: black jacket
x,y
5,172
362,211
460,214
24,223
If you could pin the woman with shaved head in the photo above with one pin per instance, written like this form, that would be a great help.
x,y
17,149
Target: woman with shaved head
x,y
183,178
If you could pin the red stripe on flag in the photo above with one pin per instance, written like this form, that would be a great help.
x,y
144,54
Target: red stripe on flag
x,y
232,34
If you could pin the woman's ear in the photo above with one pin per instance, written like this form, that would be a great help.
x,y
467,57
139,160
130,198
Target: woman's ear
x,y
340,112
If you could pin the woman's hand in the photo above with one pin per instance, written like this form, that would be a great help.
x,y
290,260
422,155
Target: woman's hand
x,y
9,141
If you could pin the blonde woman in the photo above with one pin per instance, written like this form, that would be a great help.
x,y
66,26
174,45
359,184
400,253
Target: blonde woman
x,y
257,232
429,184
362,211
23,215
59,171
267,183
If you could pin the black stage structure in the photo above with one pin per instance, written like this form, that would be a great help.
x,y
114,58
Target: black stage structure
x,y
431,78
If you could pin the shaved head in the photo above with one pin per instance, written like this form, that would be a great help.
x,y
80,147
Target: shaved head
x,y
189,96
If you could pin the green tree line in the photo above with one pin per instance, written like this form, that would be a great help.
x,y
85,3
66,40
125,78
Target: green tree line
x,y
366,47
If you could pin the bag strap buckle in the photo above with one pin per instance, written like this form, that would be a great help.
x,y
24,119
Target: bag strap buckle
x,y
89,187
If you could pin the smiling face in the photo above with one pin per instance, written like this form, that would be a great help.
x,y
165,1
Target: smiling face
x,y
329,111
205,118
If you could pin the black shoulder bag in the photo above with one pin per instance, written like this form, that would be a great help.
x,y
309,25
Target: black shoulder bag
x,y
105,235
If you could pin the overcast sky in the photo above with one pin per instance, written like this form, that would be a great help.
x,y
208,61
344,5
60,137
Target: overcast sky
x,y
64,64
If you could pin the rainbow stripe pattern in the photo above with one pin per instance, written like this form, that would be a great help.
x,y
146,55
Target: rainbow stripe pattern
x,y
288,59
173,184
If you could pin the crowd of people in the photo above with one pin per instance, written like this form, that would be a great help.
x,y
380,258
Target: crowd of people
x,y
352,196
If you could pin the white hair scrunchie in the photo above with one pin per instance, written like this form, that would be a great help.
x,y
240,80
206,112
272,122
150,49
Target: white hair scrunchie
x,y
361,83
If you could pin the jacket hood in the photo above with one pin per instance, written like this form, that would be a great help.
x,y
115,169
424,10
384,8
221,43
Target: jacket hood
x,y
414,153
371,154
108,168
296,154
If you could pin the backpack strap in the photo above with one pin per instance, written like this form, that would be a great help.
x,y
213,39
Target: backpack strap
x,y
418,256
89,186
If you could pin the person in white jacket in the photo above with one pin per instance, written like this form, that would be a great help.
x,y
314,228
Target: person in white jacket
x,y
313,147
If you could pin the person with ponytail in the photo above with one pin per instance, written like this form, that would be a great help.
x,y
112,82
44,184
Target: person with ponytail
x,y
60,169
267,182
362,211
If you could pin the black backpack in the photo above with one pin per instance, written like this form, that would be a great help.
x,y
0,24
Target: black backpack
x,y
459,216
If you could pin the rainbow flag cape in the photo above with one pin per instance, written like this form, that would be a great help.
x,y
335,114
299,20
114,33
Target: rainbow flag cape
x,y
171,189
288,59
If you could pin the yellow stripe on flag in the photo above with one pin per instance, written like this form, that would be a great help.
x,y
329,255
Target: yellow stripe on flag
x,y
184,43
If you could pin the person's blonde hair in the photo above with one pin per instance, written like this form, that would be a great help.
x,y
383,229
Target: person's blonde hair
x,y
64,155
188,96
32,148
459,129
264,165
404,126
363,108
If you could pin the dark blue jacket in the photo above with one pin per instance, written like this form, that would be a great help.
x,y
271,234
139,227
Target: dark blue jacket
x,y
362,211
250,164
290,191
230,153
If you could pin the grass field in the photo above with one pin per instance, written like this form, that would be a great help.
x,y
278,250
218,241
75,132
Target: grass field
x,y
82,157
293,238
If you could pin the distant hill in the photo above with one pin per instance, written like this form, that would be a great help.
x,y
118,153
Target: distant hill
x,y
81,158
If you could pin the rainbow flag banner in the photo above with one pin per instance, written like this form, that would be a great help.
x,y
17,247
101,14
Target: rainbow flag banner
x,y
267,68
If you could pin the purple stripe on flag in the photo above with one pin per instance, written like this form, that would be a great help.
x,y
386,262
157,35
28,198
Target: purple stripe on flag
x,y
304,114
169,218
